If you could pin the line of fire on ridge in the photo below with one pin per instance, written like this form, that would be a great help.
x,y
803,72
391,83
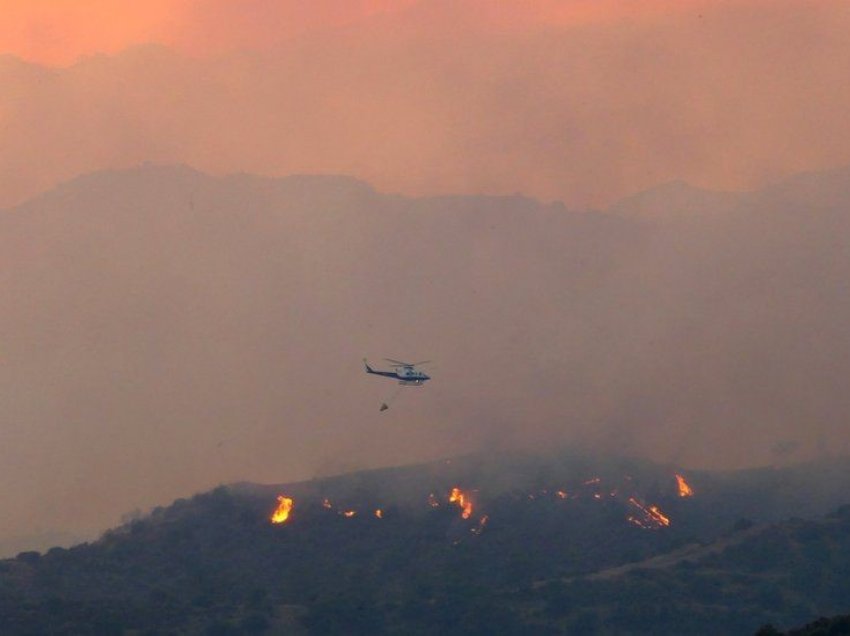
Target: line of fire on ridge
x,y
648,517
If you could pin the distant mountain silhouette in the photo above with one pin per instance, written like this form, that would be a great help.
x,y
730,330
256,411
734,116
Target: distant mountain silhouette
x,y
678,199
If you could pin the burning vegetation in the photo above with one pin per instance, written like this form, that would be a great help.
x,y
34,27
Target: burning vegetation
x,y
284,507
623,493
647,517
462,500
684,489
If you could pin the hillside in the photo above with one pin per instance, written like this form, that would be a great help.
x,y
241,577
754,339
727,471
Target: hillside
x,y
833,626
538,531
782,574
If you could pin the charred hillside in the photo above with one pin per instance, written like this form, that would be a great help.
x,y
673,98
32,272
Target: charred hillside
x,y
469,545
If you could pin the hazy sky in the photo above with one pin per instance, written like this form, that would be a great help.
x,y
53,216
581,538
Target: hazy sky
x,y
583,101
58,32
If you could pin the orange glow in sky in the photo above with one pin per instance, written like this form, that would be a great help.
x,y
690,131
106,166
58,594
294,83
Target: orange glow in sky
x,y
58,32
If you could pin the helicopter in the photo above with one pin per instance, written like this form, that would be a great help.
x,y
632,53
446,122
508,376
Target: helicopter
x,y
405,372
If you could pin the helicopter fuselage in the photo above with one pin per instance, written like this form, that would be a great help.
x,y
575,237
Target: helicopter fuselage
x,y
406,375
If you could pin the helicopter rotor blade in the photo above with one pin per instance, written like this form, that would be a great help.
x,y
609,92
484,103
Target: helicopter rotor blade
x,y
409,365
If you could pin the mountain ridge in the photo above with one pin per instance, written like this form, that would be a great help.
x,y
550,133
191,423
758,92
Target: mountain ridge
x,y
835,181
215,561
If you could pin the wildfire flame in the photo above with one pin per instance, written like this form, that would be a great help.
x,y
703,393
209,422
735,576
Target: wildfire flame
x,y
461,500
659,516
284,506
639,513
684,489
652,518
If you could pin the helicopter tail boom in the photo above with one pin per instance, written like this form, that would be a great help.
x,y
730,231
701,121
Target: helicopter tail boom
x,y
387,374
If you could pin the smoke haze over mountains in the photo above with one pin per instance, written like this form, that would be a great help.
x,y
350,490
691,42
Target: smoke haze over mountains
x,y
584,102
166,330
